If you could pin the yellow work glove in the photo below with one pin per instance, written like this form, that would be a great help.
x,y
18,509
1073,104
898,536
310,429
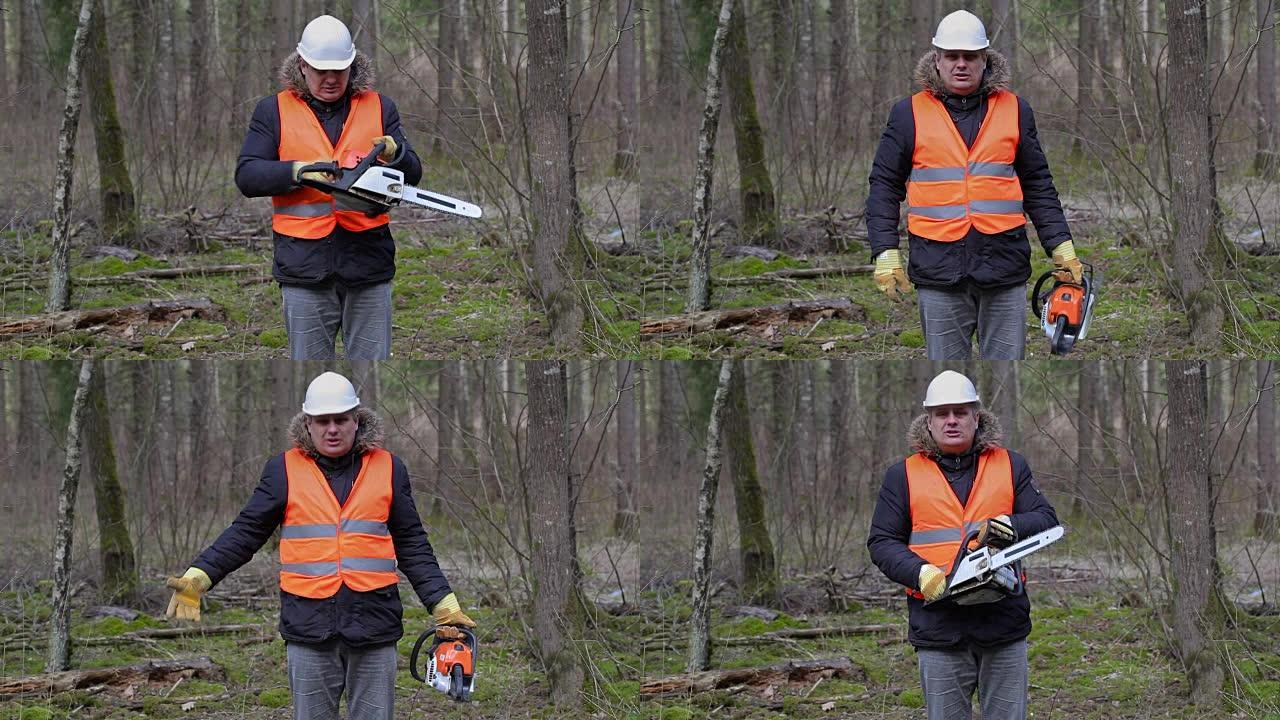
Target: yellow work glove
x,y
1064,256
298,175
389,152
889,274
997,532
933,582
448,612
187,590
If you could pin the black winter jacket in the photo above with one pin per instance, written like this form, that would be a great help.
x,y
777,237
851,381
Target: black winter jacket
x,y
986,261
358,618
353,258
947,625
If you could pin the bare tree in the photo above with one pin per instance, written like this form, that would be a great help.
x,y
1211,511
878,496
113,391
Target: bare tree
x,y
624,162
364,27
59,657
115,546
1004,26
557,617
115,188
1266,519
755,187
699,297
4,51
1195,608
1087,27
625,519
200,19
59,297
1265,161
755,548
700,622
446,48
1193,240
1086,399
557,248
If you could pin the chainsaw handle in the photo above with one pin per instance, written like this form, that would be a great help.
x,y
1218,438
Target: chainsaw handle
x,y
329,167
413,656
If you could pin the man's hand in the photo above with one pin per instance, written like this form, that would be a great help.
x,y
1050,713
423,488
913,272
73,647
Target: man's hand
x,y
187,591
389,152
997,532
933,582
889,275
1069,267
448,612
298,175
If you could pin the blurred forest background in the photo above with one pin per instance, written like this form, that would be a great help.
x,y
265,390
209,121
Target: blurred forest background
x,y
1124,450
807,88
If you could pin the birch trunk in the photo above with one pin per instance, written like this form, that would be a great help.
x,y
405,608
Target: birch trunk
x,y
700,622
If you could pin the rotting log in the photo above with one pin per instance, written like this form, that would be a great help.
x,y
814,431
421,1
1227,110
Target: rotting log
x,y
156,671
792,311
151,274
791,671
809,634
149,311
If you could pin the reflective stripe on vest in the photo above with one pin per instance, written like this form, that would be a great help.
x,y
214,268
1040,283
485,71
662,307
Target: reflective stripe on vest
x,y
306,212
939,523
953,187
324,546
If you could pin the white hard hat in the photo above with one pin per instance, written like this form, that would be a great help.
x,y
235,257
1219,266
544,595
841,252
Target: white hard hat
x,y
326,44
329,394
961,30
950,388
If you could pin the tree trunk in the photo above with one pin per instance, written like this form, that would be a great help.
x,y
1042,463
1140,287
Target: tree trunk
x,y
446,48
1266,162
446,416
115,189
837,63
1194,238
668,27
1003,29
624,516
1196,610
557,617
59,657
755,548
115,546
241,66
4,50
840,374
59,297
671,436
201,25
557,248
624,160
364,28
1086,400
1266,519
699,297
700,622
26,36
755,187
1087,25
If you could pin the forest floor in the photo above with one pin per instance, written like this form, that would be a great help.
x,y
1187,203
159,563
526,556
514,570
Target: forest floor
x,y
1094,654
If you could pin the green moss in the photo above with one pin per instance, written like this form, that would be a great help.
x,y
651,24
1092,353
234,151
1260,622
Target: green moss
x,y
35,713
198,328
1266,692
676,713
676,353
274,698
911,338
912,698
273,338
36,352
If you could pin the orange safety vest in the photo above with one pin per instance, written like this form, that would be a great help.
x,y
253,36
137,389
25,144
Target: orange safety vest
x,y
324,546
306,212
939,522
953,187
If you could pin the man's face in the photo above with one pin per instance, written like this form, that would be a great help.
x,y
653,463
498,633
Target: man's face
x,y
333,435
325,85
961,70
953,427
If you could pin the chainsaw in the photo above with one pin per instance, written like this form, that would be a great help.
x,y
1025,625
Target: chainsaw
x,y
359,184
987,574
1065,309
451,664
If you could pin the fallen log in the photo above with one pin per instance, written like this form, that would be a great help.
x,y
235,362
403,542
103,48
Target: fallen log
x,y
156,671
791,671
792,311
808,634
174,632
150,311
796,274
148,275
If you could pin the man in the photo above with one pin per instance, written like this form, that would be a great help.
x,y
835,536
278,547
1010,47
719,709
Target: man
x,y
348,522
334,263
965,155
959,478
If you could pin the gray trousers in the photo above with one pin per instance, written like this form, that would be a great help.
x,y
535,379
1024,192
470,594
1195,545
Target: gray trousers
x,y
313,317
999,674
318,674
950,317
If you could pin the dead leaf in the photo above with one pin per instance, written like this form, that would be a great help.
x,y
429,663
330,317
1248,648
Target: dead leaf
x,y
189,345
829,706
190,705
829,346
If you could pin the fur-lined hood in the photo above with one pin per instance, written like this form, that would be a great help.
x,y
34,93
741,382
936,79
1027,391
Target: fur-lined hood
x,y
370,434
995,77
290,77
989,434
